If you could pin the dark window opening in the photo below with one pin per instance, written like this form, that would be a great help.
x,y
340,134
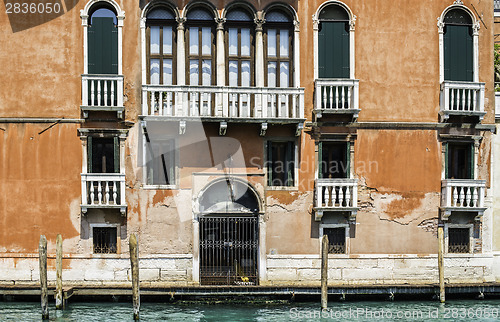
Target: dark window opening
x,y
334,160
105,240
104,156
458,240
281,163
336,240
160,163
460,161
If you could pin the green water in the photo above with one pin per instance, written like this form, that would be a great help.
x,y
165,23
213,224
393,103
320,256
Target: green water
x,y
487,310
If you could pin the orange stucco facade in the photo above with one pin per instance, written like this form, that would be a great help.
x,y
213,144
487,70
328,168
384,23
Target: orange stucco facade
x,y
397,150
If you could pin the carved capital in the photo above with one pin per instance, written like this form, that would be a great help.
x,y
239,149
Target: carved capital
x,y
440,25
259,24
143,22
352,23
315,23
296,24
475,28
180,23
458,2
220,23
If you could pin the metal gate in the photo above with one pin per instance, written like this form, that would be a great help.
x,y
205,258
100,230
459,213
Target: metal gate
x,y
228,250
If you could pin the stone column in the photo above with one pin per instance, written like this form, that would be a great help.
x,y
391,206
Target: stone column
x,y
259,51
221,61
296,54
181,53
475,35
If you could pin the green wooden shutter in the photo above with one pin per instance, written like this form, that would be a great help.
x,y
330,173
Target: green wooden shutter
x,y
290,163
447,161
471,162
116,154
333,50
102,46
320,160
458,53
89,154
348,159
269,163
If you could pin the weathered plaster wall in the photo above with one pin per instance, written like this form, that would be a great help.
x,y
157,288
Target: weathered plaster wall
x,y
39,186
41,67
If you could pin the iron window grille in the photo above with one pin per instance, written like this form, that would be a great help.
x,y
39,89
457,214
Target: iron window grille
x,y
336,240
458,240
105,240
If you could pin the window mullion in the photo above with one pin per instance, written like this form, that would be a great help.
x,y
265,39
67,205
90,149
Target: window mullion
x,y
161,56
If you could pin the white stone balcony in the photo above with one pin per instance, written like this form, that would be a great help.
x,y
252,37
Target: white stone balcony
x,y
337,96
103,190
462,99
336,195
462,195
102,93
224,104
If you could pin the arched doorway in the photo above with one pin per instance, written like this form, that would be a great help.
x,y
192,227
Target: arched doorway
x,y
229,233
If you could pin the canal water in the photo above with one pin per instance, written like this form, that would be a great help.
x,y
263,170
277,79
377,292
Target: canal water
x,y
486,310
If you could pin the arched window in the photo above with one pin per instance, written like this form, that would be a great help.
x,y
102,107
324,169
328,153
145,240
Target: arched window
x,y
333,43
200,49
102,41
458,46
239,48
279,49
160,34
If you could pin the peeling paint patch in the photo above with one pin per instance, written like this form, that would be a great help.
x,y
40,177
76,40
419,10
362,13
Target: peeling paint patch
x,y
403,204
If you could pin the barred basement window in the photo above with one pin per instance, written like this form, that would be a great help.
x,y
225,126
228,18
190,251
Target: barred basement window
x,y
458,240
336,240
105,240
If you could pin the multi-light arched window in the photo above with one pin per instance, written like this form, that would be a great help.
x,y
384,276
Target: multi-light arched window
x,y
458,46
239,38
200,46
278,53
333,42
161,46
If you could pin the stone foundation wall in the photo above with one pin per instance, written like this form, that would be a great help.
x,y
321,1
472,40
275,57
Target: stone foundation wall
x,y
380,269
174,269
282,270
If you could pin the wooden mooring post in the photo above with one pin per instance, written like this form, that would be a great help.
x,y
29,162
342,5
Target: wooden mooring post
x,y
59,286
134,263
440,262
42,260
324,272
